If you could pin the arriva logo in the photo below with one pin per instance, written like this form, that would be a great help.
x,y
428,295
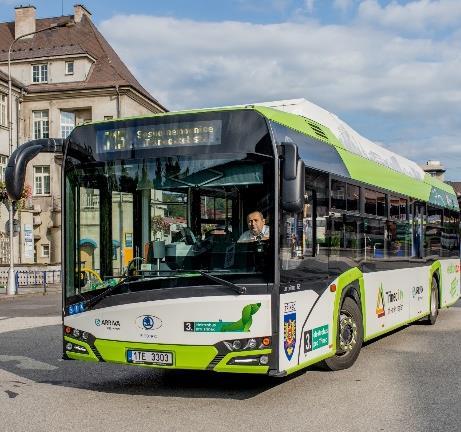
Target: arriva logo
x,y
148,322
107,322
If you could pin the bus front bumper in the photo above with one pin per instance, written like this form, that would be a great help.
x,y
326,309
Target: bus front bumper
x,y
192,357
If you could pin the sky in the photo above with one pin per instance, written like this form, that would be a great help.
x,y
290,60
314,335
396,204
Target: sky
x,y
390,68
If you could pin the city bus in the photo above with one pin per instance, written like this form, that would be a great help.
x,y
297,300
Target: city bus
x,y
359,240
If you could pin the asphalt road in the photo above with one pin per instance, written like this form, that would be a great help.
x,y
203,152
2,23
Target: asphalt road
x,y
407,381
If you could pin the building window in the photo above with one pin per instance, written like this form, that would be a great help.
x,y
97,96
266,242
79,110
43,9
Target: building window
x,y
3,163
41,180
40,73
108,117
41,124
45,251
67,123
3,110
69,68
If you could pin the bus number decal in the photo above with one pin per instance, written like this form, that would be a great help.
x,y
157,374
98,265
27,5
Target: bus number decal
x,y
316,338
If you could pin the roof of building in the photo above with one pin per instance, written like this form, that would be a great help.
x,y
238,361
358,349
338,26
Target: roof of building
x,y
79,38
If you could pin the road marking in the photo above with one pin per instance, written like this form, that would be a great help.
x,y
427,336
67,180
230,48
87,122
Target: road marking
x,y
27,363
23,323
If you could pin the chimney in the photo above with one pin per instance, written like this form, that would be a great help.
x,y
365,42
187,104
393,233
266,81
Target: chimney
x,y
435,169
79,11
25,21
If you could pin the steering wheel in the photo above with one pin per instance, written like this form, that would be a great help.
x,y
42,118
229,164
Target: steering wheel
x,y
131,267
90,278
186,236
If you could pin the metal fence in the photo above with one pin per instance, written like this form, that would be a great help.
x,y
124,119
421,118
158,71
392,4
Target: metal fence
x,y
32,279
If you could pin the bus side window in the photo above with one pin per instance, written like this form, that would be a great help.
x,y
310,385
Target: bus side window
x,y
293,240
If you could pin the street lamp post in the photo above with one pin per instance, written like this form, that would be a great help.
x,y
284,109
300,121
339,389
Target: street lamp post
x,y
11,288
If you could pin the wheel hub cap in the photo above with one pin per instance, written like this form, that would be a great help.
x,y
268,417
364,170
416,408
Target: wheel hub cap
x,y
347,333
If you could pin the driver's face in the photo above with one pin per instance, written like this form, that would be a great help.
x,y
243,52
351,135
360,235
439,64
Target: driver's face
x,y
255,223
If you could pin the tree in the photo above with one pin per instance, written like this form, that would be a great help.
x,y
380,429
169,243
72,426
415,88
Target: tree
x,y
26,194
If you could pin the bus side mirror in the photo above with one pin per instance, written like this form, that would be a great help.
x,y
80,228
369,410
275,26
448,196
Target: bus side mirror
x,y
292,179
16,169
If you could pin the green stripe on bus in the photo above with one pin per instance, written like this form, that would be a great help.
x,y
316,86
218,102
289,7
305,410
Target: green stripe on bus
x,y
372,173
308,363
435,267
394,327
352,275
438,184
299,124
81,356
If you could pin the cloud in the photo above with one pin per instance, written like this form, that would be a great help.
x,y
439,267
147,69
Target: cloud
x,y
265,5
343,5
419,15
342,67
345,69
309,4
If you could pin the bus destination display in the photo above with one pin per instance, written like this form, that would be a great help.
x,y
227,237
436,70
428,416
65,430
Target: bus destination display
x,y
159,135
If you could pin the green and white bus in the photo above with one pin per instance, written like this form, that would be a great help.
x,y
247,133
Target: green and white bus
x,y
360,241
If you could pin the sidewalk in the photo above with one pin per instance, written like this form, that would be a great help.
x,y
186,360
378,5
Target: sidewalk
x,y
30,290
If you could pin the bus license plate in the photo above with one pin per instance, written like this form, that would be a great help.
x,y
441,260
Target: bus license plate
x,y
150,357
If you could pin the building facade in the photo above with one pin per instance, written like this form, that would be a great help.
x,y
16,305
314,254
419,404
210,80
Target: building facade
x,y
64,75
17,95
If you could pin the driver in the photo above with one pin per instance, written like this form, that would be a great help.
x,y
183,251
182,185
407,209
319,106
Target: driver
x,y
257,228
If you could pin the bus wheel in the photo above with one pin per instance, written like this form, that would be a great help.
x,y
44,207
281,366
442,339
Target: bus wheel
x,y
434,307
350,337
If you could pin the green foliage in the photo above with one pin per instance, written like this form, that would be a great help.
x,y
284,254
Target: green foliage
x,y
160,226
26,193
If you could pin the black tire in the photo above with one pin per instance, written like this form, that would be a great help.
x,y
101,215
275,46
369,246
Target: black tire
x,y
434,304
349,337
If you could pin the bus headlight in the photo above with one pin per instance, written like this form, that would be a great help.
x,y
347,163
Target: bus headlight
x,y
236,344
251,344
79,334
247,344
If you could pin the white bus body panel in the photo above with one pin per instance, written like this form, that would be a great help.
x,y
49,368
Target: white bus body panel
x,y
313,320
406,296
168,318
394,297
450,289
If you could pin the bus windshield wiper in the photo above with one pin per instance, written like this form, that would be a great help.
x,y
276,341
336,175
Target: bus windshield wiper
x,y
91,303
233,286
238,289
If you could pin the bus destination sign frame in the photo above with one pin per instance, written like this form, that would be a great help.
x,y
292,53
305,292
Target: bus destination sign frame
x,y
162,135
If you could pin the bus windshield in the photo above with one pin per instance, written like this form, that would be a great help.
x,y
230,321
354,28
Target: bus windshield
x,y
162,221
